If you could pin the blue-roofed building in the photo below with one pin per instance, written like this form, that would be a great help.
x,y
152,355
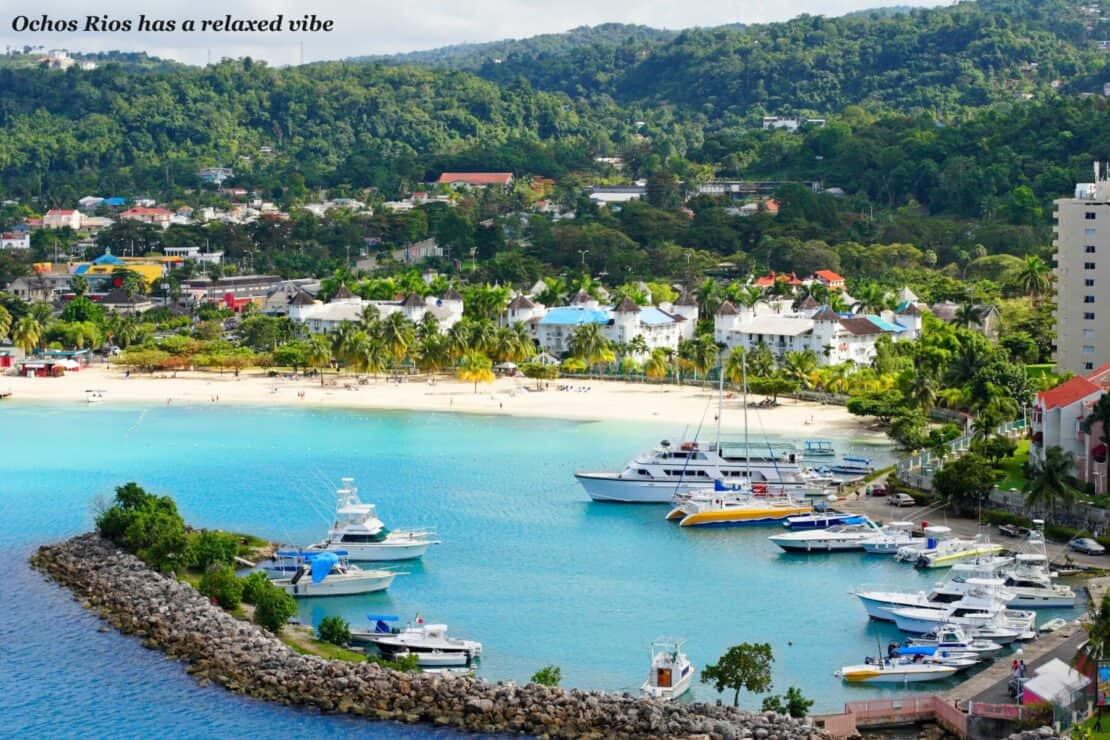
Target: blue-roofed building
x,y
620,324
114,202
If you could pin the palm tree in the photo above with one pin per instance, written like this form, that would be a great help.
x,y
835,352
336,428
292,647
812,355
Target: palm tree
x,y
968,314
343,341
428,326
707,297
1099,414
1050,480
42,311
870,298
27,333
702,353
5,322
476,368
397,335
366,354
319,354
590,345
800,366
434,353
735,365
458,339
655,366
483,335
369,318
638,345
923,389
79,284
761,361
1034,277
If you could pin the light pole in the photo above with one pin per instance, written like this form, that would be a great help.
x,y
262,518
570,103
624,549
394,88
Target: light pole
x,y
583,252
473,259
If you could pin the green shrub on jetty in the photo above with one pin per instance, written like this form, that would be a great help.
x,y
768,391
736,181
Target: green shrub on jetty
x,y
222,586
335,630
253,585
209,548
148,526
273,608
549,675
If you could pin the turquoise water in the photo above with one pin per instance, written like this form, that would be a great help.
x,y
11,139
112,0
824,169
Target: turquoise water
x,y
528,565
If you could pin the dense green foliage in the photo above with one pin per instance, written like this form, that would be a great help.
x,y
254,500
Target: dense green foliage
x,y
213,548
793,703
146,525
220,584
273,607
549,675
965,482
253,585
745,666
335,630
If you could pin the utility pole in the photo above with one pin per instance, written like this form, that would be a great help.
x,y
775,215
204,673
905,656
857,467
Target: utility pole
x,y
583,252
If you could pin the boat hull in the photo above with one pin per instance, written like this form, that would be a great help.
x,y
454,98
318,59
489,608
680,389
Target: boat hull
x,y
378,551
681,686
868,673
335,586
611,488
740,517
819,545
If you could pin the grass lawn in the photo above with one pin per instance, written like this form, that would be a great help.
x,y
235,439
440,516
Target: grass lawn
x,y
1014,467
1091,733
1035,371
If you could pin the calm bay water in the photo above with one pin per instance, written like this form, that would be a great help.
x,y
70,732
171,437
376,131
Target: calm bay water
x,y
528,565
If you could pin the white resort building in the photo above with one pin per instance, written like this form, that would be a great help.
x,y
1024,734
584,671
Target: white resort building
x,y
321,318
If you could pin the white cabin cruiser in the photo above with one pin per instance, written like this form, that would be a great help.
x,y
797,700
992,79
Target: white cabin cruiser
x,y
895,670
306,574
358,532
953,637
834,539
892,537
978,592
654,477
917,620
417,637
942,550
671,671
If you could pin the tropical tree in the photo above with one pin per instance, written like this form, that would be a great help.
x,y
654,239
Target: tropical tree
x,y
398,335
655,366
1034,277
1050,480
744,666
1100,414
79,284
701,352
801,366
475,367
870,298
319,354
761,361
735,365
590,345
967,314
27,333
5,322
434,353
638,345
366,354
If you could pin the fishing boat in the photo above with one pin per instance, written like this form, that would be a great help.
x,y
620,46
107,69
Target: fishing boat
x,y
416,637
434,658
822,520
305,574
892,537
952,551
724,509
818,448
671,671
358,532
834,539
953,637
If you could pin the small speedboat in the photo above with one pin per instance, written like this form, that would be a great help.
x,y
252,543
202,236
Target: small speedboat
x,y
671,671
895,671
416,637
434,658
822,520
1053,625
892,537
719,508
834,539
306,574
952,637
849,465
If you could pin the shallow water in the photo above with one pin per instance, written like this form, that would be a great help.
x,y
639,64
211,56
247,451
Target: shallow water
x,y
528,564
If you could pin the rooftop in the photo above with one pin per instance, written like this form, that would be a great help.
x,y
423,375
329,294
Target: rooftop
x,y
574,316
476,178
1067,393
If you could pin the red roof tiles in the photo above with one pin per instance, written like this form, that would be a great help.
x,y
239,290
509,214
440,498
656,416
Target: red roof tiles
x,y
476,178
1067,393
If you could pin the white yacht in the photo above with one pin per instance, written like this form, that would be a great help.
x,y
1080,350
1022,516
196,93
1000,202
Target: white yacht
x,y
942,550
965,613
953,637
417,637
358,532
892,537
899,670
655,477
305,574
879,603
671,671
834,539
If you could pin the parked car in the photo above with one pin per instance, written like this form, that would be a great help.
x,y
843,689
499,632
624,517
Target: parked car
x,y
901,499
879,490
1013,530
1087,546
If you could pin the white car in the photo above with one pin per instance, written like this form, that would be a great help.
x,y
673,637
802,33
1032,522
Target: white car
x,y
1087,546
901,499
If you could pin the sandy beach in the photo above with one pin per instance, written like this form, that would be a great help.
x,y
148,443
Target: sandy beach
x,y
604,400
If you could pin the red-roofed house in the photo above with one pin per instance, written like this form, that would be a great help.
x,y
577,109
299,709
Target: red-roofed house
x,y
59,219
476,179
1057,419
829,279
771,278
157,216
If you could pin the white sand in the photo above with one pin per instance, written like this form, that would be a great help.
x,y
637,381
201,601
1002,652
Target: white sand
x,y
605,400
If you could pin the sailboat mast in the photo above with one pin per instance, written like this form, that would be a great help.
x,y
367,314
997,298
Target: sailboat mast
x,y
720,404
747,455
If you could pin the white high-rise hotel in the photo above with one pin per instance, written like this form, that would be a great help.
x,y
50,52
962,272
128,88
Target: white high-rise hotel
x,y
1083,277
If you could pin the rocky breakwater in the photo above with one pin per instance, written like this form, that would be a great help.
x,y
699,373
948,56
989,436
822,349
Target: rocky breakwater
x,y
172,616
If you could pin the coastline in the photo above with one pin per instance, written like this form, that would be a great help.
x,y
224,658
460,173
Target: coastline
x,y
605,400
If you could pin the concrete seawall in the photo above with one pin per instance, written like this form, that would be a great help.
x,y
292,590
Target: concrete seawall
x,y
215,646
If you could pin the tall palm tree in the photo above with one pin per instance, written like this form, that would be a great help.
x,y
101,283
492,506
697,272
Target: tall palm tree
x,y
398,335
589,344
428,326
655,366
707,297
367,354
434,353
638,345
968,314
369,317
1050,480
42,311
735,365
1034,277
923,389
458,339
27,333
761,361
475,368
319,354
801,366
343,341
870,298
703,354
5,322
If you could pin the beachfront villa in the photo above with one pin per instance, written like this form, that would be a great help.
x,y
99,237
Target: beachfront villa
x,y
321,318
1057,418
835,338
660,326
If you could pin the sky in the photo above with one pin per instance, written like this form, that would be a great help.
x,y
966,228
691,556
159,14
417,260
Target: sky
x,y
373,26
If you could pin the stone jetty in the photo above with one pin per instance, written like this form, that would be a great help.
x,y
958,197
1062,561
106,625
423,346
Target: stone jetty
x,y
217,647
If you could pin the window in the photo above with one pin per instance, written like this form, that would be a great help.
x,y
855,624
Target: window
x,y
1088,349
1088,366
1089,282
1088,316
1089,249
1089,233
1088,333
1088,299
1091,215
1088,265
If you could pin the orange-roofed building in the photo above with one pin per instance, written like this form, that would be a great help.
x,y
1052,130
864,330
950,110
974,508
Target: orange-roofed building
x,y
157,216
771,206
60,219
830,279
1057,421
476,179
772,277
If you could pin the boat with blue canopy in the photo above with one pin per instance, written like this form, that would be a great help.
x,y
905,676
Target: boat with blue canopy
x,y
307,573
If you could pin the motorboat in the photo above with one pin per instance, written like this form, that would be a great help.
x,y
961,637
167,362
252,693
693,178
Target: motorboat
x,y
724,509
434,658
935,535
822,520
943,551
415,637
839,538
892,537
1053,625
953,637
671,671
358,532
304,574
919,620
958,659
895,670
849,465
655,477
95,395
818,448
975,592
